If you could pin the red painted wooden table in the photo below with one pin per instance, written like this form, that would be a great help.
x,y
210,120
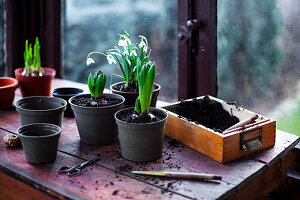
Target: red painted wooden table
x,y
111,178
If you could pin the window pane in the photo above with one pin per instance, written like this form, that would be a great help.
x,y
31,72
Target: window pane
x,y
258,57
94,25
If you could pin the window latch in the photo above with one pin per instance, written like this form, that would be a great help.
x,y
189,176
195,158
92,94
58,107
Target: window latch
x,y
186,31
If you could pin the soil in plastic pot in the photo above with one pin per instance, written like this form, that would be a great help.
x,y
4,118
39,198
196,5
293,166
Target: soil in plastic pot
x,y
40,142
95,117
132,93
35,85
141,142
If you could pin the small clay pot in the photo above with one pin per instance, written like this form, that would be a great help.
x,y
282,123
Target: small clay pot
x,y
35,85
41,110
130,97
39,141
96,125
141,142
7,91
66,93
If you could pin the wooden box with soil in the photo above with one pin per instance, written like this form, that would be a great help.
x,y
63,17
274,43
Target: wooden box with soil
x,y
201,124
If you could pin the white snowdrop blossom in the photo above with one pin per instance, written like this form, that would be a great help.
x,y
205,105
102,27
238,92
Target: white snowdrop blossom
x,y
110,59
133,53
127,42
126,52
145,48
89,61
121,43
142,44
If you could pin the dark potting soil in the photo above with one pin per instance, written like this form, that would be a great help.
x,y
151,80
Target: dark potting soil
x,y
206,112
87,101
146,117
132,87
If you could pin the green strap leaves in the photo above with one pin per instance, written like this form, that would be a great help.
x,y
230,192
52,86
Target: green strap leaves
x,y
96,83
146,85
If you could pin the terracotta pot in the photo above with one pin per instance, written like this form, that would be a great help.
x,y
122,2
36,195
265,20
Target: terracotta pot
x,y
35,85
7,91
130,97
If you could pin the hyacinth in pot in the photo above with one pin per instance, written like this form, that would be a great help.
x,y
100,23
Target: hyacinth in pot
x,y
130,58
34,80
141,129
94,112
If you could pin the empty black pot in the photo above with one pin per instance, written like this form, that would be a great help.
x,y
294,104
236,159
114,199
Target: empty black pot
x,y
66,93
41,109
40,142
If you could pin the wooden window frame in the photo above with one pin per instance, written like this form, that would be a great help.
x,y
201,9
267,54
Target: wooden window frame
x,y
197,48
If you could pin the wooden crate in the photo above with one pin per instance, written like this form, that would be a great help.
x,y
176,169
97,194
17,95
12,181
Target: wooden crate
x,y
227,146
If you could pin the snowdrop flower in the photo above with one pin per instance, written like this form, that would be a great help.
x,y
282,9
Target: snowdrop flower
x,y
142,44
127,42
89,61
133,53
110,59
126,52
145,48
121,43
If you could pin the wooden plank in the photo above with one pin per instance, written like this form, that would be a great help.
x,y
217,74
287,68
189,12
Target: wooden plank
x,y
267,182
176,157
95,182
11,188
285,142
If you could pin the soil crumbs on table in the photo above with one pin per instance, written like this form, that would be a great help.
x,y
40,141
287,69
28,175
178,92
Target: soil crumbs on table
x,y
87,101
206,112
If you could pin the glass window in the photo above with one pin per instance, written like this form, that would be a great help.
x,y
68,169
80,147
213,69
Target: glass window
x,y
258,58
94,25
2,66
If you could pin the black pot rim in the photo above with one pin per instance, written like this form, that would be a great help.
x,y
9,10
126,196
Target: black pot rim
x,y
103,107
122,82
44,125
140,124
42,97
76,91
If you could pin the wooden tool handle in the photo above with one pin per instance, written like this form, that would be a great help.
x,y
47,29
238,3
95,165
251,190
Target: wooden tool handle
x,y
194,176
243,123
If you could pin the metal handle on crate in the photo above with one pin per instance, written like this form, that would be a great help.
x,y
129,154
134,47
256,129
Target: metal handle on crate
x,y
251,145
253,142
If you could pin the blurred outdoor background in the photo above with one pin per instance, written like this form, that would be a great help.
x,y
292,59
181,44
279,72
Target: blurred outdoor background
x,y
259,58
258,48
94,25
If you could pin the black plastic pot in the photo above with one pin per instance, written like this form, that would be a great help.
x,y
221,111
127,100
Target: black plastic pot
x,y
39,141
141,142
41,109
66,93
96,125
